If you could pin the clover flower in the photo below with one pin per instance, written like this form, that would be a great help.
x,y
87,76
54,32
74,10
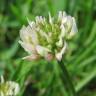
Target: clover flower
x,y
8,88
47,38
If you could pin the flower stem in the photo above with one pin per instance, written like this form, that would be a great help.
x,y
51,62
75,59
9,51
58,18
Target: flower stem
x,y
67,80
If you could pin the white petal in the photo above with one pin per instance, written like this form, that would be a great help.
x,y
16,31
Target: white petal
x,y
31,57
64,14
50,19
24,35
60,42
31,23
28,34
69,22
61,36
63,31
28,47
1,93
37,19
74,29
64,18
32,34
2,79
42,50
40,19
61,15
60,54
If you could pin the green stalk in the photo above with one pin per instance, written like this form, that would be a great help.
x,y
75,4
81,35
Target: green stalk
x,y
67,80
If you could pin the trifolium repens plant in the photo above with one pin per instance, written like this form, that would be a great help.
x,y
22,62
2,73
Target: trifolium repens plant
x,y
8,88
47,38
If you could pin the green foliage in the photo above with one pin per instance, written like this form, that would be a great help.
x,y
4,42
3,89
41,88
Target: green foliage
x,y
42,76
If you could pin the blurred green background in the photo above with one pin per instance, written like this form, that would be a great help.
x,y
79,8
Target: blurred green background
x,y
42,78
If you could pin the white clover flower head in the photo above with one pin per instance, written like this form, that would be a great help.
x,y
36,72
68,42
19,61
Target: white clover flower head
x,y
8,88
47,38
